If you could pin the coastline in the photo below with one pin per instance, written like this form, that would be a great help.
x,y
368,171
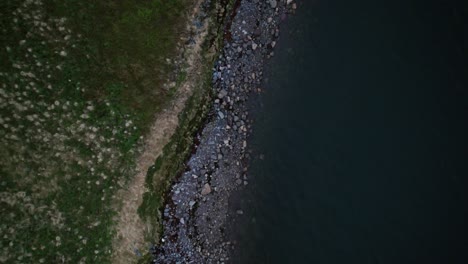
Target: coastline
x,y
197,212
100,111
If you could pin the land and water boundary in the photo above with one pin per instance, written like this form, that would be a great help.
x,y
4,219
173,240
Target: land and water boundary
x,y
199,209
124,126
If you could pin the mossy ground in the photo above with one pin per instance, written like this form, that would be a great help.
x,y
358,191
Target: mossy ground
x,y
80,83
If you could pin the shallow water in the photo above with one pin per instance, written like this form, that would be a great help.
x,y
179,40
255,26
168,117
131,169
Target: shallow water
x,y
363,128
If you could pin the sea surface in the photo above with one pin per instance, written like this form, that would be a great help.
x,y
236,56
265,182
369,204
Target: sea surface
x,y
361,137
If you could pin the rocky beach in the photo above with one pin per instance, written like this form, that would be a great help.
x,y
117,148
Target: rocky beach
x,y
233,131
197,212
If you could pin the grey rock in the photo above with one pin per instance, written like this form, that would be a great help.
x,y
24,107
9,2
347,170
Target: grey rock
x,y
273,3
222,94
254,46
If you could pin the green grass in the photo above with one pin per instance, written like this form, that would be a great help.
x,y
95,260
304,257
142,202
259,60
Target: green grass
x,y
128,44
76,94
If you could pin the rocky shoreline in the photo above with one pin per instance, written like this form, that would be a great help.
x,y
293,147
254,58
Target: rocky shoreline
x,y
197,214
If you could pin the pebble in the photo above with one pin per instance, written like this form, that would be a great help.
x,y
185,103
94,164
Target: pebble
x,y
222,94
206,189
254,46
273,3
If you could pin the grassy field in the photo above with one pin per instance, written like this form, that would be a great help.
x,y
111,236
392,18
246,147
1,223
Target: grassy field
x,y
80,82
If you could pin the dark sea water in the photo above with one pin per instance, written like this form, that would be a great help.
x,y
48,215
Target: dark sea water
x,y
364,131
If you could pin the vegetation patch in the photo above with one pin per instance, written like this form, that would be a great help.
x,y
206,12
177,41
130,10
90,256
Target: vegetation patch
x,y
80,82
